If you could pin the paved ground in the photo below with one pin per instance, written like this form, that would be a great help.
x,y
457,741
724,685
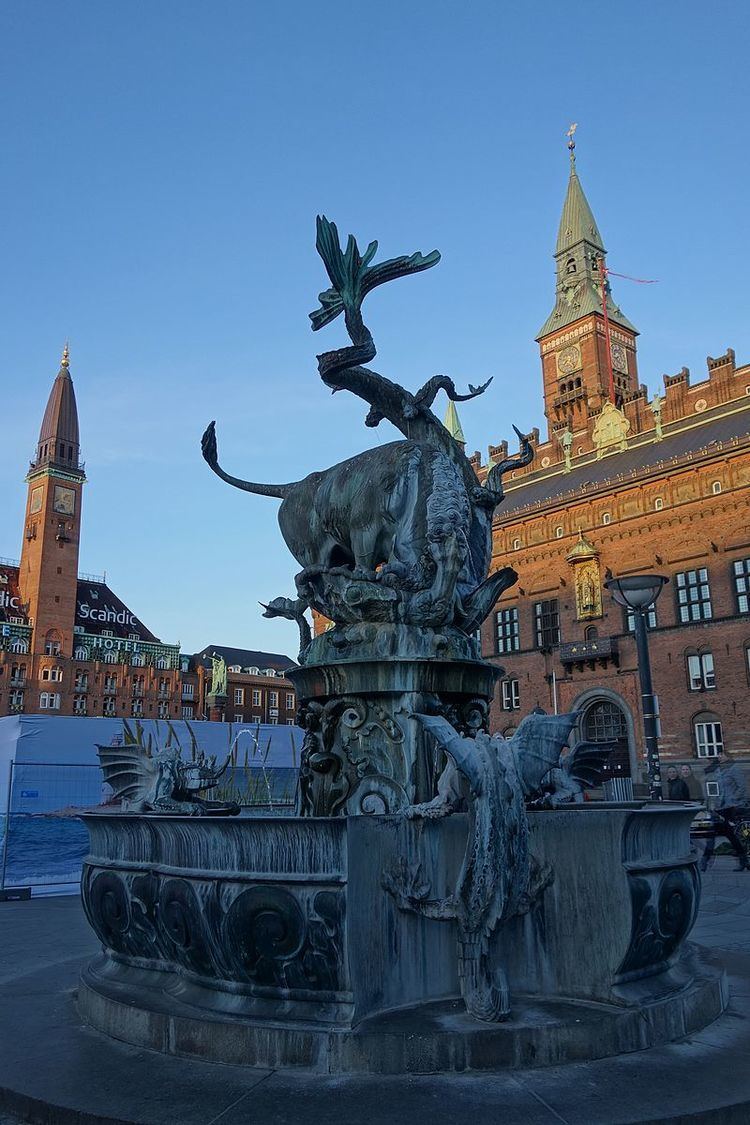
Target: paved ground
x,y
43,942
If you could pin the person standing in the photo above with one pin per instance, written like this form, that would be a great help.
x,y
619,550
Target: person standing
x,y
695,789
677,788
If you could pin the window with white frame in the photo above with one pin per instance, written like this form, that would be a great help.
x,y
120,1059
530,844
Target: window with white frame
x,y
558,533
109,707
234,668
606,518
741,575
693,596
716,487
289,700
239,696
507,630
273,720
547,623
290,722
81,653
253,671
162,709
19,646
271,672
257,719
516,544
55,674
256,697
650,616
273,699
187,710
16,699
51,648
110,657
188,689
709,740
138,660
700,668
49,701
79,704
239,717
658,504
162,662
510,695
136,708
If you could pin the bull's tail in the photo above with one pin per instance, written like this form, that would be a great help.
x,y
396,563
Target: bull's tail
x,y
210,454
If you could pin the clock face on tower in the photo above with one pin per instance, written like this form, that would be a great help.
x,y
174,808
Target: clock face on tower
x,y
619,358
569,359
64,502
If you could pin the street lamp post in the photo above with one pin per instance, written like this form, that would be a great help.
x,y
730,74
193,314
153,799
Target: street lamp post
x,y
638,593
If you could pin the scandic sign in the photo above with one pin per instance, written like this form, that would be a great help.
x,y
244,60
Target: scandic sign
x,y
105,614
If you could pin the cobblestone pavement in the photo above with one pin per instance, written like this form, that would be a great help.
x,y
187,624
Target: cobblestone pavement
x,y
724,917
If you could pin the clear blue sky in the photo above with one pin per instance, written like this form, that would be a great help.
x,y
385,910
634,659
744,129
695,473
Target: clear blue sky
x,y
163,163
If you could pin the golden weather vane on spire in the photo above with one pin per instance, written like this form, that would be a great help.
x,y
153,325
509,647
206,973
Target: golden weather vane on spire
x,y
571,135
65,362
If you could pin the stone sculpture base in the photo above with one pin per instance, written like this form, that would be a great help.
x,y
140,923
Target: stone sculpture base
x,y
363,752
272,941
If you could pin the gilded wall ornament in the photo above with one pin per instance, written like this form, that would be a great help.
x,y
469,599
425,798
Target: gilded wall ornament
x,y
611,430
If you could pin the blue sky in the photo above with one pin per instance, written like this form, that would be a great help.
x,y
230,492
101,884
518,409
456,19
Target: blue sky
x,y
163,163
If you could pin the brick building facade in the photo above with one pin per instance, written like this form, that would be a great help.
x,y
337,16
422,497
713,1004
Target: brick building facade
x,y
69,645
623,484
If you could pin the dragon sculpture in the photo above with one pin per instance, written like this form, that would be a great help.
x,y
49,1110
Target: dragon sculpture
x,y
402,533
499,878
146,778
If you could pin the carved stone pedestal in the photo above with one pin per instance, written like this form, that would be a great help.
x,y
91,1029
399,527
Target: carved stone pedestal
x,y
274,942
363,752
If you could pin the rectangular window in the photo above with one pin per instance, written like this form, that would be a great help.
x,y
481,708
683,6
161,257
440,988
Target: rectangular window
x,y
630,618
701,675
79,704
257,719
693,596
16,700
741,572
136,708
256,698
708,739
290,722
49,701
109,707
289,700
239,696
52,648
511,695
547,623
163,710
273,699
239,718
187,711
188,690
273,720
508,635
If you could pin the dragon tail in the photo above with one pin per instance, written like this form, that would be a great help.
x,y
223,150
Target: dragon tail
x,y
484,985
210,455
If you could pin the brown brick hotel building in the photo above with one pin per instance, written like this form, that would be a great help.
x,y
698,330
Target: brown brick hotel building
x,y
70,646
623,484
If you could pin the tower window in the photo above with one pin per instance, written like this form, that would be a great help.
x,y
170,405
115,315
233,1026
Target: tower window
x,y
606,518
693,596
658,504
570,265
558,533
716,487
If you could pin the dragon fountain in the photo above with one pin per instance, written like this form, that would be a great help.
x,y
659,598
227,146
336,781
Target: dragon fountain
x,y
427,906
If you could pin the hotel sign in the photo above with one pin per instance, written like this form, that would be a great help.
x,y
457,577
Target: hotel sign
x,y
106,615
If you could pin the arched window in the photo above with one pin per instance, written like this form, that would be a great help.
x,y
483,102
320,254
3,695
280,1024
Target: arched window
x,y
254,671
19,645
605,721
558,533
271,672
162,662
55,674
592,633
709,738
570,265
81,653
516,544
658,504
138,660
606,518
52,643
716,487
110,657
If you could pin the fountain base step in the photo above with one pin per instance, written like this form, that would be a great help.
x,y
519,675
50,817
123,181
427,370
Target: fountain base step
x,y
429,1038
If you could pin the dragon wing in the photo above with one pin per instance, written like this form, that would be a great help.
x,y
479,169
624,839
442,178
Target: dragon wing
x,y
537,745
586,761
129,770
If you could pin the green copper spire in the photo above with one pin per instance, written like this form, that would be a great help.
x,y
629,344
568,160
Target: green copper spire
x,y
578,251
453,424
